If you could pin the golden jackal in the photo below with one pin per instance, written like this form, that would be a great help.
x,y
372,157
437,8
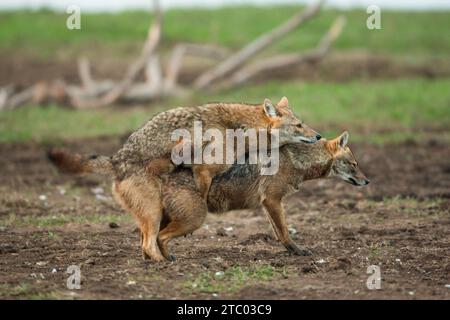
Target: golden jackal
x,y
242,187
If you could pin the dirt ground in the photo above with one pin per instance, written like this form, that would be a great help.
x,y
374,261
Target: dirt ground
x,y
400,222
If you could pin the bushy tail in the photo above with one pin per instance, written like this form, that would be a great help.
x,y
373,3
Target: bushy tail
x,y
74,163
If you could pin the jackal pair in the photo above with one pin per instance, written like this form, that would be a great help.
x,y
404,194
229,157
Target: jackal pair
x,y
170,201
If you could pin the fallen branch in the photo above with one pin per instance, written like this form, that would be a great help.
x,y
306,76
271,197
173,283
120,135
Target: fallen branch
x,y
5,93
151,44
236,60
153,72
192,49
288,60
34,94
84,71
231,69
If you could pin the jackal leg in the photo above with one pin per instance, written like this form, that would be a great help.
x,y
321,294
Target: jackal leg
x,y
275,211
184,212
176,229
141,196
204,174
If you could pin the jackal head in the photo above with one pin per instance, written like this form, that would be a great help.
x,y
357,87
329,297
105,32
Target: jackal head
x,y
290,128
344,164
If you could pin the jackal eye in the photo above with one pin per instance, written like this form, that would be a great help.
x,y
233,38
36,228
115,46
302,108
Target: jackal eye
x,y
300,125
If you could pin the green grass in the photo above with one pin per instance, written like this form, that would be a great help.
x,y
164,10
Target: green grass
x,y
233,279
27,291
405,102
406,107
55,123
43,32
416,208
365,108
403,208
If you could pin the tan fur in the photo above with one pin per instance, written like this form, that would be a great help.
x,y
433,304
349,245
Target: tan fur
x,y
138,166
135,195
74,163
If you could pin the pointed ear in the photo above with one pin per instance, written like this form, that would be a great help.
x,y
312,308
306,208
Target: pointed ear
x,y
343,139
337,143
332,146
269,109
284,103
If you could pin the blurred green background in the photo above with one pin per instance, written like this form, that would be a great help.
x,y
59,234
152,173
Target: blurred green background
x,y
378,105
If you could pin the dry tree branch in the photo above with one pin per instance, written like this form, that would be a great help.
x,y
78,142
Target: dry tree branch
x,y
92,93
192,49
174,66
239,58
34,93
5,93
84,71
150,46
21,97
153,72
281,61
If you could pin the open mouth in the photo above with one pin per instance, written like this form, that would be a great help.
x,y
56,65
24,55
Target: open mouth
x,y
308,140
356,183
353,181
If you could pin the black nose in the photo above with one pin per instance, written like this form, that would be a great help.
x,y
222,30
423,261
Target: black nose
x,y
318,137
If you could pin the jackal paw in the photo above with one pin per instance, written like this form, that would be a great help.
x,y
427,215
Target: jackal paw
x,y
154,258
172,258
299,251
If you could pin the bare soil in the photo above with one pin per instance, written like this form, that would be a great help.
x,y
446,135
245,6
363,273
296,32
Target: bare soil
x,y
400,222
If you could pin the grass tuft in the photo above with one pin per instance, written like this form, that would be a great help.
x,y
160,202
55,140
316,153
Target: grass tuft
x,y
232,280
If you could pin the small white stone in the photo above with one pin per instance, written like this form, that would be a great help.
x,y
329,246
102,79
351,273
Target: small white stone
x,y
411,293
97,190
131,283
292,230
321,261
219,274
54,270
447,286
42,197
215,295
